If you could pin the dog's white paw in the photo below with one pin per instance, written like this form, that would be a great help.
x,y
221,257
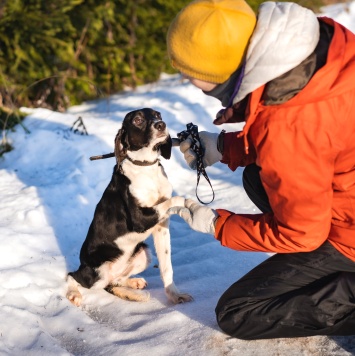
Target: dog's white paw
x,y
176,297
177,201
180,298
74,297
136,283
163,208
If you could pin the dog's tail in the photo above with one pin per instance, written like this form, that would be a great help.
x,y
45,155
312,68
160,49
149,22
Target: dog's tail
x,y
85,276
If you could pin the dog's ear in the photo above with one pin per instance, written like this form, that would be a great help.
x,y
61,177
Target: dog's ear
x,y
120,150
165,148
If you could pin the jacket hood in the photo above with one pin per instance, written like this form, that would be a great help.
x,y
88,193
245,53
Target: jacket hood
x,y
285,35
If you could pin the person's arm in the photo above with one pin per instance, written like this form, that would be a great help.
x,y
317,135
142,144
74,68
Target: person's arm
x,y
297,160
234,151
297,172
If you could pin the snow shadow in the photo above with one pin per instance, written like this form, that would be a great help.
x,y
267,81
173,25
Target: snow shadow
x,y
347,343
55,161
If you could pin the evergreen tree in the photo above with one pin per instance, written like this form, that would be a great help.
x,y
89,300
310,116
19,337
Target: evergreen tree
x,y
35,44
57,53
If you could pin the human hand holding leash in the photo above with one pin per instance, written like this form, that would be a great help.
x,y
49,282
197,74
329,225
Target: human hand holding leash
x,y
195,151
209,143
200,218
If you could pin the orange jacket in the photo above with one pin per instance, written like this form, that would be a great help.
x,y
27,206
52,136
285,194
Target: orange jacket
x,y
306,151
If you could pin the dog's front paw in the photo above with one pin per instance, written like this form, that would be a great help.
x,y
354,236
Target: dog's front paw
x,y
177,201
163,209
181,298
176,297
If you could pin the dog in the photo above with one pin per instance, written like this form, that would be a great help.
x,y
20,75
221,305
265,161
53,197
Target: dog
x,y
133,206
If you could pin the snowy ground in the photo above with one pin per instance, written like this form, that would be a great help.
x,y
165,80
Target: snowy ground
x,y
49,189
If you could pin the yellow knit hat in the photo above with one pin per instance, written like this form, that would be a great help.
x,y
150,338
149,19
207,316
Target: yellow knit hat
x,y
208,38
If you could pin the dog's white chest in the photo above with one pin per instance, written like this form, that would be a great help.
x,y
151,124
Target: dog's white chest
x,y
149,184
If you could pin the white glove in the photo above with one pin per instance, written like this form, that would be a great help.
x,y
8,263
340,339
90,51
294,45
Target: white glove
x,y
211,155
200,218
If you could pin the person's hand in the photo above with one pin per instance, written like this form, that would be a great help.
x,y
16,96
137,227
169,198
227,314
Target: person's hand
x,y
200,218
211,155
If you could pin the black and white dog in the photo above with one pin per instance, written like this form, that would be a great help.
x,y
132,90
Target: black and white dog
x,y
133,206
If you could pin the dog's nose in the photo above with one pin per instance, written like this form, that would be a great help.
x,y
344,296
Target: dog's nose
x,y
160,125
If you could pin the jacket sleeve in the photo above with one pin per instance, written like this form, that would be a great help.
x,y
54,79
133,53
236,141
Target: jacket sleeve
x,y
297,160
234,153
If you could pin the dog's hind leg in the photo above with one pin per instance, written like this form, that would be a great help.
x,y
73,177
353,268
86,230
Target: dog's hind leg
x,y
73,293
137,264
136,283
129,293
86,277
161,236
125,287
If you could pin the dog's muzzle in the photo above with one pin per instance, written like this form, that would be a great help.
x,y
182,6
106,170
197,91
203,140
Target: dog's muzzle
x,y
160,125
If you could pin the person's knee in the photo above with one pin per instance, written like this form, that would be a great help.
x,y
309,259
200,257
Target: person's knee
x,y
231,321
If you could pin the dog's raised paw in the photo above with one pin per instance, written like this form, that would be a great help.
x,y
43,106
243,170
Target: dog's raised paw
x,y
177,201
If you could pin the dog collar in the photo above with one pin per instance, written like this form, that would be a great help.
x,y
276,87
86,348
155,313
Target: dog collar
x,y
142,163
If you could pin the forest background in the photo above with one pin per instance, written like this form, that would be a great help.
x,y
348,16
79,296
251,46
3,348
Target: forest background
x,y
54,54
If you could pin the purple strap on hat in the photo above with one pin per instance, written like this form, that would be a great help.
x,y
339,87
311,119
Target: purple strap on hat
x,y
235,91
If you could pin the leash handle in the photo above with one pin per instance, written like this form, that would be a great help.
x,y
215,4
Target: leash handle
x,y
192,130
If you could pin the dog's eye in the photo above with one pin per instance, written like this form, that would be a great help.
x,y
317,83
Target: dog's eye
x,y
137,120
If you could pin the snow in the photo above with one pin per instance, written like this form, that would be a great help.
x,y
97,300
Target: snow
x,y
49,189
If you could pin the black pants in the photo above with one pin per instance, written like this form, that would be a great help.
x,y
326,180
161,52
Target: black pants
x,y
290,295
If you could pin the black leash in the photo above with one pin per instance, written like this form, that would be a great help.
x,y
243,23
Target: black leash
x,y
192,130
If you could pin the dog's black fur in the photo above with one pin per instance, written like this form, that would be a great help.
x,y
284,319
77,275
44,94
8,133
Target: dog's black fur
x,y
128,213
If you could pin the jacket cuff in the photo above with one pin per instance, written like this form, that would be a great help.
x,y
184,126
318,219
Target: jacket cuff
x,y
220,142
234,153
223,215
